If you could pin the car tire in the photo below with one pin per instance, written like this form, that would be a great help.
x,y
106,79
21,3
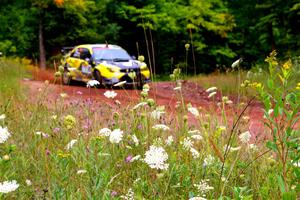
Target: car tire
x,y
98,77
66,79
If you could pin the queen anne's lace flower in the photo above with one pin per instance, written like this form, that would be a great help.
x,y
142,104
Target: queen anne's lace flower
x,y
245,137
194,152
4,134
187,143
203,187
8,186
156,157
92,83
161,127
110,94
156,114
209,160
105,132
135,140
169,140
116,136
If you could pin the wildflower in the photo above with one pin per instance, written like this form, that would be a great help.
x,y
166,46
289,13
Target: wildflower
x,y
246,118
146,88
141,104
197,198
81,171
105,132
270,111
197,137
57,74
46,82
54,117
8,186
169,140
297,164
161,127
117,102
6,157
298,86
156,157
92,83
203,187
194,152
69,121
156,114
70,144
222,128
45,135
211,89
113,193
129,195
110,94
192,132
79,93
212,94
187,143
237,63
128,158
209,160
135,140
287,65
194,111
135,158
116,136
141,58
253,147
187,46
4,134
63,95
245,137
2,117
56,130
28,182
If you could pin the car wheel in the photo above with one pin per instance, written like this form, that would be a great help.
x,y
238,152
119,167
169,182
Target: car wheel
x,y
66,79
98,77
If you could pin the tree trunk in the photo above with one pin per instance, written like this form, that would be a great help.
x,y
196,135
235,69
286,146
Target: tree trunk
x,y
272,39
41,46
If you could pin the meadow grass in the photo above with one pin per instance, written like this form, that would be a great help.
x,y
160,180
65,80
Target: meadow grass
x,y
88,150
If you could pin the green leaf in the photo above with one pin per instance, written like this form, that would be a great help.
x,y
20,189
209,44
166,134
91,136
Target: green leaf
x,y
281,183
271,145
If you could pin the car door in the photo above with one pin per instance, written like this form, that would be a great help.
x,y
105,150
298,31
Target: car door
x,y
85,63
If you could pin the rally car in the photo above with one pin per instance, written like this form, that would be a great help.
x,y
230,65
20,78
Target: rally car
x,y
108,64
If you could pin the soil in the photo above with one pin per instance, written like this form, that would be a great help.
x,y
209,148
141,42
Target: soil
x,y
162,92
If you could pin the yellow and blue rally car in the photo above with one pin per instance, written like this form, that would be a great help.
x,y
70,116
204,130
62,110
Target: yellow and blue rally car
x,y
108,64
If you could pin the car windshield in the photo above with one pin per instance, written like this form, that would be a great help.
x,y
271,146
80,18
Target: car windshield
x,y
110,54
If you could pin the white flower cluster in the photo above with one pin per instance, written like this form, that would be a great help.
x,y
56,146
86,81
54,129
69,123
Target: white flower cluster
x,y
169,140
115,136
161,127
187,143
4,134
245,137
129,195
110,94
92,83
157,113
209,160
8,186
203,187
156,157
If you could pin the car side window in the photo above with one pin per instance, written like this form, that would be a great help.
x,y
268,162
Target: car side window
x,y
84,53
76,53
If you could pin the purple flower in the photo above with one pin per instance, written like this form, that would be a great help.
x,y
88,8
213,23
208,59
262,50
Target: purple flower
x,y
140,126
128,158
113,193
56,130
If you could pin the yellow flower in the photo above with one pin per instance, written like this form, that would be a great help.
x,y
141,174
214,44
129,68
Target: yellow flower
x,y
69,121
287,65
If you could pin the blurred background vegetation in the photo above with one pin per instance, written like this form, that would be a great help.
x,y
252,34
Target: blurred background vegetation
x,y
218,31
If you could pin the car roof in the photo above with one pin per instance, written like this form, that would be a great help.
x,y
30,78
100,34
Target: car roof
x,y
91,46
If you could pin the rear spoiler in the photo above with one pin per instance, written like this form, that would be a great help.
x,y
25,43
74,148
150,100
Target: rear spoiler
x,y
66,50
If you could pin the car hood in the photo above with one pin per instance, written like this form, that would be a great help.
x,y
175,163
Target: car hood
x,y
130,64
